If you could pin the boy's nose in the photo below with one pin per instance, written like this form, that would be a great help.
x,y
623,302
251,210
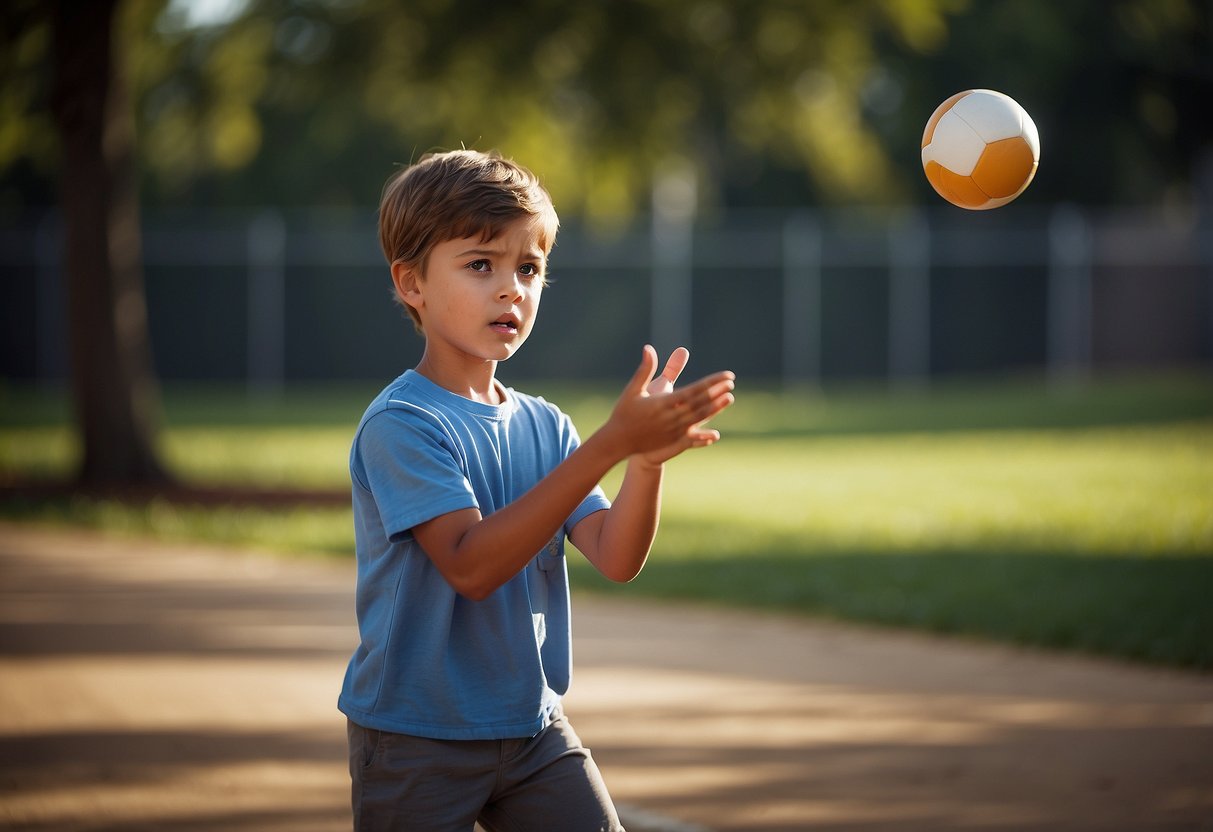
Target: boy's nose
x,y
512,289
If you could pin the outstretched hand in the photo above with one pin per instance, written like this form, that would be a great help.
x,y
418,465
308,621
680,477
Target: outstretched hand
x,y
653,420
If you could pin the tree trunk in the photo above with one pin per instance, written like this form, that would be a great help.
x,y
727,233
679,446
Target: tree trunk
x,y
115,393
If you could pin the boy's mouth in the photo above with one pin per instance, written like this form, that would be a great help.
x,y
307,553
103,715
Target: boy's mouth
x,y
506,323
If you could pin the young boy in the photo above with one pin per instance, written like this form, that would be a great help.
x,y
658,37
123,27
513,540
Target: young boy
x,y
464,492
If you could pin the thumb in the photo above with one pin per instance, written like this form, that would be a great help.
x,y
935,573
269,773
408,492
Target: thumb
x,y
644,373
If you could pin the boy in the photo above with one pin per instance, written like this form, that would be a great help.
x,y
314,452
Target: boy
x,y
464,492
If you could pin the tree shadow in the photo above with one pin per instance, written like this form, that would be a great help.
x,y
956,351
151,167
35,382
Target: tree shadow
x,y
67,759
120,612
88,604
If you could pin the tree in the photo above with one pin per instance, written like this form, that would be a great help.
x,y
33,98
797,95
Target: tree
x,y
115,393
598,97
775,102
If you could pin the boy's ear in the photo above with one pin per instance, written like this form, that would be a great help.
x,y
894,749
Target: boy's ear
x,y
407,283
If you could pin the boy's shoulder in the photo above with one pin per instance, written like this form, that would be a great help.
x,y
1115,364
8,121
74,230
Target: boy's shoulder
x,y
398,392
413,397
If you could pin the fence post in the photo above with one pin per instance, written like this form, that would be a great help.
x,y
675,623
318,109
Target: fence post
x,y
1205,241
910,301
802,344
1204,228
675,192
1069,314
266,303
49,308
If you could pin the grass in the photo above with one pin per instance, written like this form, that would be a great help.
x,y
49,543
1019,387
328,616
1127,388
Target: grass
x,y
1097,540
1078,519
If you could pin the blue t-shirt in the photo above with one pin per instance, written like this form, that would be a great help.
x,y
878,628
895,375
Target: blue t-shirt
x,y
432,663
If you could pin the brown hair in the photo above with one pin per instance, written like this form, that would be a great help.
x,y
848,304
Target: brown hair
x,y
460,193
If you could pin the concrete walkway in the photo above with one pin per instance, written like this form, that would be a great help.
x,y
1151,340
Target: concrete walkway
x,y
150,687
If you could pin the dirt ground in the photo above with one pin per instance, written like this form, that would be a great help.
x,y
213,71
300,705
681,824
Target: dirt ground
x,y
149,687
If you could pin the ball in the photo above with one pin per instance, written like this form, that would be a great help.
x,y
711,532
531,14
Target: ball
x,y
980,149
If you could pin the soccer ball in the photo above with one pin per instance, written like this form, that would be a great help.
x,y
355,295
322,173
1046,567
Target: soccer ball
x,y
980,149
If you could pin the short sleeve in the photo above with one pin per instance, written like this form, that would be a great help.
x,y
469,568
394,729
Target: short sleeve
x,y
412,469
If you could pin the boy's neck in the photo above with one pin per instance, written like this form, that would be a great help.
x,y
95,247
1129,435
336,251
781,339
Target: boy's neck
x,y
478,383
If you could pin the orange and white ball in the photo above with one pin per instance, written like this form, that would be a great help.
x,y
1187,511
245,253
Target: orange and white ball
x,y
980,149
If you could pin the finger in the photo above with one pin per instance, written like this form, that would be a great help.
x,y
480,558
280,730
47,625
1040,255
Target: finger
x,y
707,382
708,387
712,408
722,386
676,364
701,409
644,373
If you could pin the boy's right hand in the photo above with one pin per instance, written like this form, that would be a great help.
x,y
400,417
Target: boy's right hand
x,y
663,424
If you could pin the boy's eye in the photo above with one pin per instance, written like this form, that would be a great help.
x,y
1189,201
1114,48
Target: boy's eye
x,y
480,266
528,270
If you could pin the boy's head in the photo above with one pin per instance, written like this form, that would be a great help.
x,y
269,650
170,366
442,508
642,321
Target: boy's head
x,y
453,195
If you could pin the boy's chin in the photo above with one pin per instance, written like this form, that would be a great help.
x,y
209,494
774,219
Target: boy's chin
x,y
509,350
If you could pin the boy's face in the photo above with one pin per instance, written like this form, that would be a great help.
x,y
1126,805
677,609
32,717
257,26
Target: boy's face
x,y
479,299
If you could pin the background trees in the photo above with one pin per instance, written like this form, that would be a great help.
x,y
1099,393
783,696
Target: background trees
x,y
775,102
771,103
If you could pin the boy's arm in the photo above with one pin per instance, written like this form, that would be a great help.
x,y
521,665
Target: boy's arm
x,y
617,540
478,554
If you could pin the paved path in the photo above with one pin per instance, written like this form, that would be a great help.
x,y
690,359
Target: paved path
x,y
149,687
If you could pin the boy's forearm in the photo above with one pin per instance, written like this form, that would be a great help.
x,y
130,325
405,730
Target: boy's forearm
x,y
494,549
630,527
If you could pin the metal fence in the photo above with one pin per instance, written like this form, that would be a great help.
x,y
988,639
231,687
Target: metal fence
x,y
270,297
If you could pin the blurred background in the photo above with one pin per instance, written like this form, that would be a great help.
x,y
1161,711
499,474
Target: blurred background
x,y
993,422
743,178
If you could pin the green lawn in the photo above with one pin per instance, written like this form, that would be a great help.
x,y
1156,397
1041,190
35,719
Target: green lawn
x,y
1078,519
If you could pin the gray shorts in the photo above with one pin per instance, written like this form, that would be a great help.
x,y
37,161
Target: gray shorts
x,y
545,782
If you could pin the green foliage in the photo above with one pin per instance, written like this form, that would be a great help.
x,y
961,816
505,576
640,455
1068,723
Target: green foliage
x,y
25,120
581,92
1080,519
775,102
